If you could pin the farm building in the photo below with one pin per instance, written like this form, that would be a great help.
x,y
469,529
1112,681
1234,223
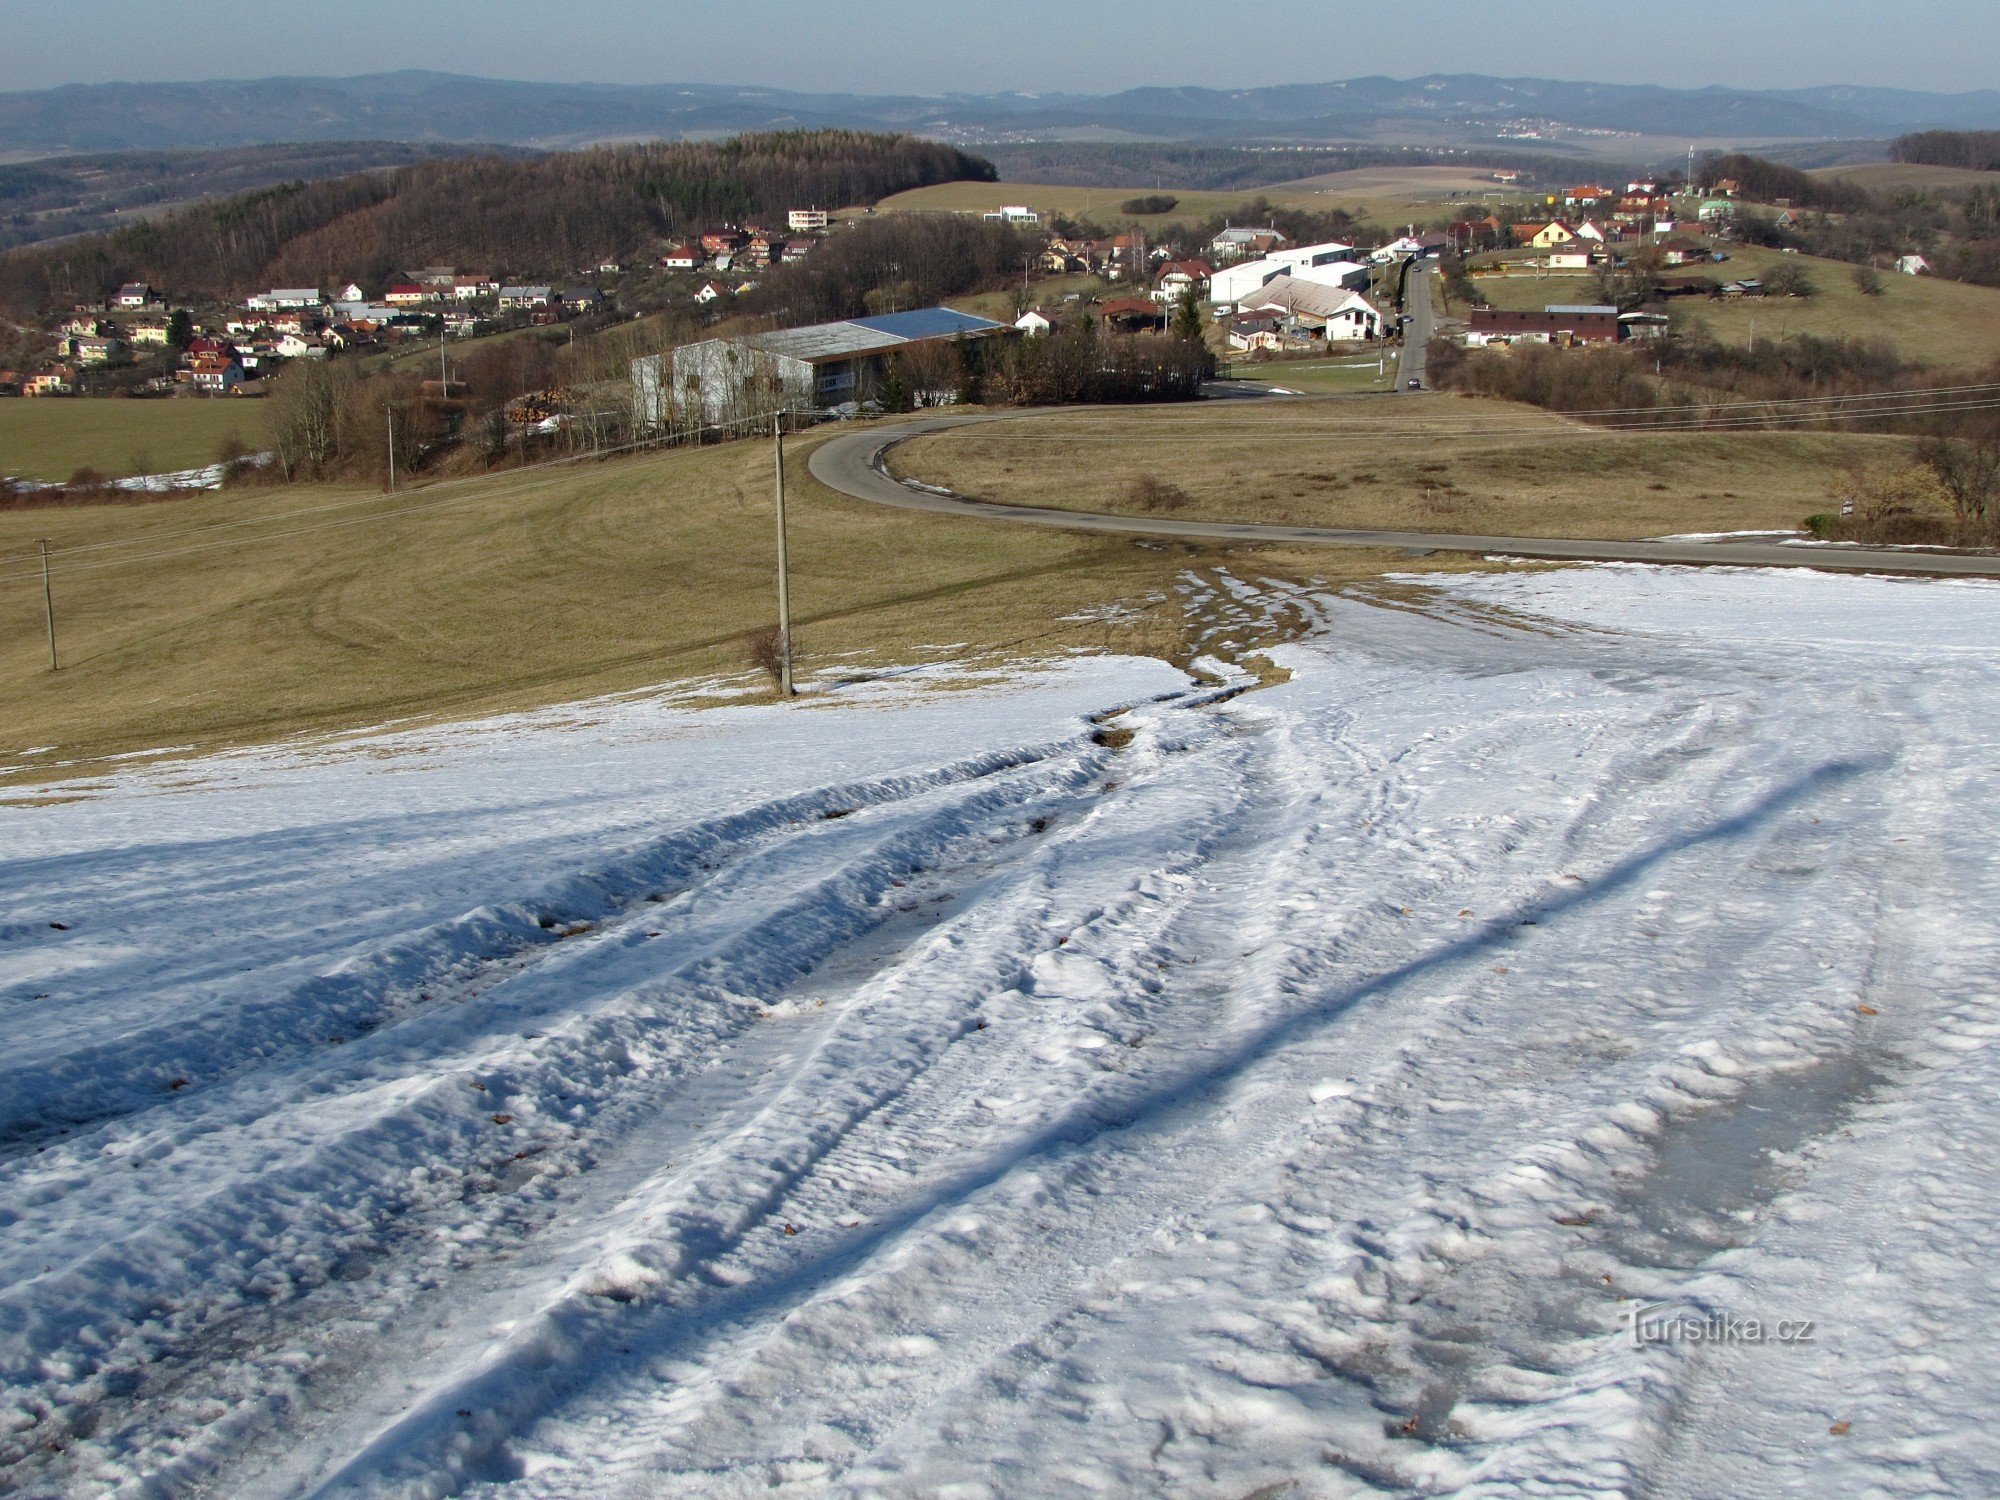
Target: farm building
x,y
1555,324
793,369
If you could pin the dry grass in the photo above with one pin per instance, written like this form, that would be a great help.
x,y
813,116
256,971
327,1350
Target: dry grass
x,y
522,589
1896,176
1387,194
52,438
1432,463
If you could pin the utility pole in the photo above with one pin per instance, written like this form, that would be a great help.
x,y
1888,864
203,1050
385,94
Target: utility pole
x,y
444,376
392,449
784,567
49,604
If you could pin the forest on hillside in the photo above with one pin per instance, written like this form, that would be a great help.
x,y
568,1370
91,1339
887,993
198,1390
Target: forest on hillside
x,y
543,216
1978,149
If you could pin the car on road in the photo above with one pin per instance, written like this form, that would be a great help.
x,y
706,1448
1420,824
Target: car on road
x,y
1413,385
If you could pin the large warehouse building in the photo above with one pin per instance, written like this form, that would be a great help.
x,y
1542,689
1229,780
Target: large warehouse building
x,y
826,364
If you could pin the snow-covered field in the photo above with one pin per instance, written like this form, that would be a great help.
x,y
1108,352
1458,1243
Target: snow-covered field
x,y
979,1092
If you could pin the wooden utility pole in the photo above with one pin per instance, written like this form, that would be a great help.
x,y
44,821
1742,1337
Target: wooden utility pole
x,y
49,604
392,449
784,568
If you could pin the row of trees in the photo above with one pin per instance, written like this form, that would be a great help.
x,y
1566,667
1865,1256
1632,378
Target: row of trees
x,y
539,215
1685,372
1978,149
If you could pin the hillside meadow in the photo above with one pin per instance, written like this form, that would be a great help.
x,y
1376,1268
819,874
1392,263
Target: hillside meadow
x,y
1429,463
49,439
1929,321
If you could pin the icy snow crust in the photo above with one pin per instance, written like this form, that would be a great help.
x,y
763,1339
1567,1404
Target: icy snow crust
x,y
920,1093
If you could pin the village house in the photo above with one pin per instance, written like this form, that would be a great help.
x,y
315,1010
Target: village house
x,y
1265,329
526,298
82,326
50,380
1245,244
1913,265
1178,276
351,293
279,298
214,374
708,292
406,294
797,250
150,335
97,351
1018,214
1034,322
807,220
722,242
134,296
681,258
1543,236
1579,255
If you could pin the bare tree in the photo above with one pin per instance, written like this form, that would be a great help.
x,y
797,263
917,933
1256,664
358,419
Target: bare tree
x,y
308,401
1968,470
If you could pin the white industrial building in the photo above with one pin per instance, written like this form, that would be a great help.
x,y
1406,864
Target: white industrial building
x,y
1322,264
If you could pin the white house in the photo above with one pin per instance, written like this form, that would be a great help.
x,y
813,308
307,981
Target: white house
x,y
134,294
351,293
279,298
709,292
1338,315
1913,265
806,220
1032,322
1013,213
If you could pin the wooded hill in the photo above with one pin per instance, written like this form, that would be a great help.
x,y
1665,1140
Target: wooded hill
x,y
1979,149
63,196
539,217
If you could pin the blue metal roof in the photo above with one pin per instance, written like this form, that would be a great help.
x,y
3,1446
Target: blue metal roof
x,y
925,323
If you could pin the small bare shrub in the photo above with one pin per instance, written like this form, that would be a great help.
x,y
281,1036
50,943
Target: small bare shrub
x,y
767,654
1149,492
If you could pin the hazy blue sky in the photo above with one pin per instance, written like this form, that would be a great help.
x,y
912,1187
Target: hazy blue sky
x,y
929,46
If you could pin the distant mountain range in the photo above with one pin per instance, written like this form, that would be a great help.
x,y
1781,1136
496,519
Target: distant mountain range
x,y
439,107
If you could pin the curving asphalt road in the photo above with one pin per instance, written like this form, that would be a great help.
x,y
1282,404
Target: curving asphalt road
x,y
855,464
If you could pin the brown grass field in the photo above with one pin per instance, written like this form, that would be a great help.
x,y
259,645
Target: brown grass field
x,y
1434,463
527,588
1383,194
1946,323
1896,176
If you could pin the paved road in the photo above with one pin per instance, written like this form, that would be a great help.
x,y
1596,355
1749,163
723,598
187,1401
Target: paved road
x,y
1423,323
854,464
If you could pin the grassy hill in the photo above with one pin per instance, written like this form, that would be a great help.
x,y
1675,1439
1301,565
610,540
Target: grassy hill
x,y
1385,194
1439,463
51,440
1899,177
1928,320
